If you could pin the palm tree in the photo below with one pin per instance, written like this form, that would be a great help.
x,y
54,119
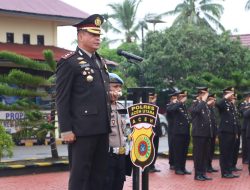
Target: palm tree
x,y
125,14
248,5
197,12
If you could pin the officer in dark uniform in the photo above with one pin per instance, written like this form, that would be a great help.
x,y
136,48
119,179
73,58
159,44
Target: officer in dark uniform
x,y
181,133
83,107
116,161
211,101
246,115
170,119
245,104
236,147
157,131
227,132
201,133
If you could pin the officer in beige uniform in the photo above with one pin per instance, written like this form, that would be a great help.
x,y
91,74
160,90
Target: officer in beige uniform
x,y
116,161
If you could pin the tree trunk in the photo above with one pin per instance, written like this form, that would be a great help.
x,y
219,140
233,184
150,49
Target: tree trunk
x,y
53,146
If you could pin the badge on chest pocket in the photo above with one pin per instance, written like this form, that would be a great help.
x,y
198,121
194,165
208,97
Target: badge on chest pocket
x,y
88,74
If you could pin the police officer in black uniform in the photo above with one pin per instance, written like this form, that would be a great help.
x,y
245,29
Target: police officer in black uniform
x,y
181,133
201,133
170,118
211,101
236,147
83,107
245,104
246,115
227,132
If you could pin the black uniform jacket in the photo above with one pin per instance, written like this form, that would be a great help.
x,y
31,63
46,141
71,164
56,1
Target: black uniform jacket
x,y
201,121
213,121
181,119
228,122
242,109
246,115
82,95
170,117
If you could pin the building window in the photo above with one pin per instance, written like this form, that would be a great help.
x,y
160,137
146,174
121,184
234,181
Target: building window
x,y
10,37
26,39
40,40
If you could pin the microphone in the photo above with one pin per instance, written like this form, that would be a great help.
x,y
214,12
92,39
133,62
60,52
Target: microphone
x,y
129,55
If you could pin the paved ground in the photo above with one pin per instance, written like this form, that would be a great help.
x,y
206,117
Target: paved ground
x,y
164,180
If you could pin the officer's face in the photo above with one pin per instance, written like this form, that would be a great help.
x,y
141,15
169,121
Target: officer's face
x,y
115,91
88,41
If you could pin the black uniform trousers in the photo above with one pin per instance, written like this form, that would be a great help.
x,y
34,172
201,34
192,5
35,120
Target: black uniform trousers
x,y
244,147
236,149
180,145
200,150
248,152
170,149
156,145
211,148
116,172
226,144
88,162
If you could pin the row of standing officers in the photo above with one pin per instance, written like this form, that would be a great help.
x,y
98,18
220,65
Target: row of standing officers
x,y
204,131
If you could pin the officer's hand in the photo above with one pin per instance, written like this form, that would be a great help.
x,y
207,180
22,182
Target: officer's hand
x,y
114,95
229,95
69,137
209,102
204,96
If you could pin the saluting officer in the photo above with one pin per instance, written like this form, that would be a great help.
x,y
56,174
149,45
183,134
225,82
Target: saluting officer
x,y
83,107
243,106
236,147
211,101
227,132
171,118
201,133
181,133
116,160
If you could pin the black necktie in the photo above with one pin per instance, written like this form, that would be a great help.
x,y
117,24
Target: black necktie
x,y
94,58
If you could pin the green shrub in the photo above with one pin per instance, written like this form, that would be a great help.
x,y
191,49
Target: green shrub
x,y
6,143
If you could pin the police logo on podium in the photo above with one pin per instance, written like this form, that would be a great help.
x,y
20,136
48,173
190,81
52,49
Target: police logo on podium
x,y
142,119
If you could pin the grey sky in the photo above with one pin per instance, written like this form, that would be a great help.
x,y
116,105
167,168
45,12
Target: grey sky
x,y
235,18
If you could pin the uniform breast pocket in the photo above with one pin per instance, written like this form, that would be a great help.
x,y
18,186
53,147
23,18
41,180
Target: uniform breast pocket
x,y
89,110
87,74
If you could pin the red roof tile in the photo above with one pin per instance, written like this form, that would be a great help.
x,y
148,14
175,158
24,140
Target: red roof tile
x,y
33,51
244,38
42,7
36,51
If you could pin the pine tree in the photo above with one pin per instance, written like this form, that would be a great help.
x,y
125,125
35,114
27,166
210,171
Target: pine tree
x,y
26,82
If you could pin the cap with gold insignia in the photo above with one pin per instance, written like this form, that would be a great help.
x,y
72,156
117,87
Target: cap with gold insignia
x,y
181,93
173,94
91,24
201,89
212,95
246,94
228,89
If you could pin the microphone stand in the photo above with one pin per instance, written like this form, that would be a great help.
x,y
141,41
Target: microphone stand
x,y
140,94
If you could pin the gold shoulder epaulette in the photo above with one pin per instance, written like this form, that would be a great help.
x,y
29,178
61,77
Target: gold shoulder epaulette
x,y
68,55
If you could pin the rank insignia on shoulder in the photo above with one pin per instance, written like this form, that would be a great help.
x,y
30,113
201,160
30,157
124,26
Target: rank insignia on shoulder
x,y
82,62
106,68
79,58
66,56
